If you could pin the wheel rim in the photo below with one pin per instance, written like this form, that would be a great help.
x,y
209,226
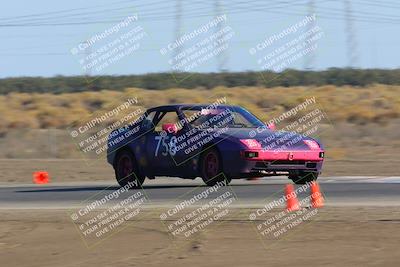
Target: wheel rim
x,y
211,165
125,166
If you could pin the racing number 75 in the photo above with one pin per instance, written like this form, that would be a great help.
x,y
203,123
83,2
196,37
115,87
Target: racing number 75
x,y
169,147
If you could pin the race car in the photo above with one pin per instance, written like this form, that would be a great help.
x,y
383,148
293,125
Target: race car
x,y
215,142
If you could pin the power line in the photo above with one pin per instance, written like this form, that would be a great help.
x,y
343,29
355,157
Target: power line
x,y
376,17
154,6
386,4
150,16
127,10
59,11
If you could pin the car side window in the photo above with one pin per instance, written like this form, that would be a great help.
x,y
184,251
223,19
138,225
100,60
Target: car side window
x,y
148,123
167,117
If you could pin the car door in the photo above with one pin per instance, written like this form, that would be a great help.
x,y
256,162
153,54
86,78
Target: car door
x,y
144,143
158,144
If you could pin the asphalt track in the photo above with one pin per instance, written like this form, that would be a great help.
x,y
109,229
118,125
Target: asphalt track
x,y
338,191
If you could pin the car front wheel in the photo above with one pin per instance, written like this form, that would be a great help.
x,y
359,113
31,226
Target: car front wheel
x,y
211,168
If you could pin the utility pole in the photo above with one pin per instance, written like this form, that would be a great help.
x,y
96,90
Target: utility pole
x,y
309,59
223,55
351,36
87,60
178,32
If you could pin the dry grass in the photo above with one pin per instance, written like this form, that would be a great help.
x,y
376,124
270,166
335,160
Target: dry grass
x,y
364,122
378,103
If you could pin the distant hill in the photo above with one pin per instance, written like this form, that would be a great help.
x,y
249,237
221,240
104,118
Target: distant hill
x,y
160,81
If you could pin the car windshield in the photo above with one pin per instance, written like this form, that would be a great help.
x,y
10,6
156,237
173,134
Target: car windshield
x,y
226,116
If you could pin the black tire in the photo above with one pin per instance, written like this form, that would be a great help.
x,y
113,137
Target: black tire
x,y
211,168
301,177
126,170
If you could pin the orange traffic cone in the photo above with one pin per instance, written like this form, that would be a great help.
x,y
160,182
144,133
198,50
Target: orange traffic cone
x,y
292,204
317,200
41,177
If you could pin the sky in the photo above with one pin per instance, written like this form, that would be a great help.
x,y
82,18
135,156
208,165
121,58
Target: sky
x,y
38,37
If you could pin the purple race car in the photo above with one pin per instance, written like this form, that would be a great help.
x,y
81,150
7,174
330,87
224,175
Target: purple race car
x,y
215,142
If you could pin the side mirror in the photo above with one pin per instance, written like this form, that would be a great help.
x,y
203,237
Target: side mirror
x,y
271,126
170,128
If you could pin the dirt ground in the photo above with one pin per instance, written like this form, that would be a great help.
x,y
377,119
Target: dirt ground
x,y
334,237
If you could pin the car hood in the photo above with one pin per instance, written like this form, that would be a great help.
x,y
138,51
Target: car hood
x,y
269,140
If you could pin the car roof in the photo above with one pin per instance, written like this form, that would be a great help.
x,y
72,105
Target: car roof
x,y
180,106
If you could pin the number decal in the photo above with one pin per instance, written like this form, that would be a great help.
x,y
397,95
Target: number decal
x,y
165,145
169,147
158,144
172,146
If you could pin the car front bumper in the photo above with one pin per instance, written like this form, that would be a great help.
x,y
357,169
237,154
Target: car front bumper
x,y
275,162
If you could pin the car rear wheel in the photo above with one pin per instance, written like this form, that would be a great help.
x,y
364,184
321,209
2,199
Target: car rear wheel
x,y
300,177
126,170
211,168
